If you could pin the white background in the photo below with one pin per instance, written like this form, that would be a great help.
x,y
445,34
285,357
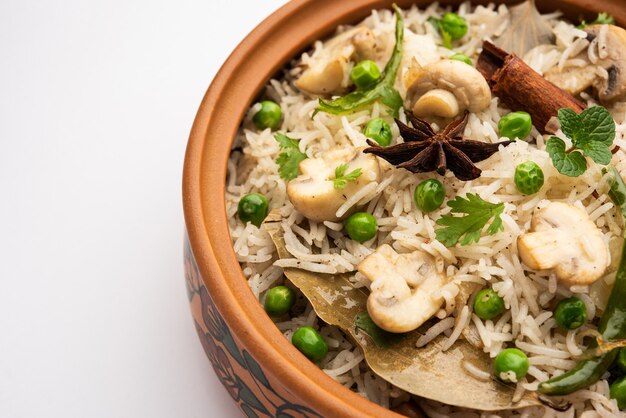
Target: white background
x,y
96,102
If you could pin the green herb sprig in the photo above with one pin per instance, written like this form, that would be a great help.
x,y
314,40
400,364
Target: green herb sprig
x,y
383,90
341,178
290,157
467,229
602,19
592,133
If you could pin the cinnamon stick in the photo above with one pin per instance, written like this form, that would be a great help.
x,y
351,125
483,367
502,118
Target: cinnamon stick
x,y
519,87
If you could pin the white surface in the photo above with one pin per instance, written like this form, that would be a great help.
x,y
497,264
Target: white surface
x,y
96,102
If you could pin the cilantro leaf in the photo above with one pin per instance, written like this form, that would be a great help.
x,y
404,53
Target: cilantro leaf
x,y
617,188
290,157
390,97
571,164
602,19
383,89
467,229
341,178
382,338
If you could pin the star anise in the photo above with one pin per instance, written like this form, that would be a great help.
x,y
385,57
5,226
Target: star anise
x,y
424,150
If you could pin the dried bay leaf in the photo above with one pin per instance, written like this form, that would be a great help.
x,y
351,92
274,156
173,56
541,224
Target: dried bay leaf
x,y
381,338
470,333
527,30
428,371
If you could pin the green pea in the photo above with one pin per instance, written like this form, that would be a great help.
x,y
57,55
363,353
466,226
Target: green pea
x,y
488,304
511,360
378,130
528,177
361,226
310,343
429,195
515,125
461,57
618,392
570,313
253,208
621,359
269,116
454,25
365,74
279,300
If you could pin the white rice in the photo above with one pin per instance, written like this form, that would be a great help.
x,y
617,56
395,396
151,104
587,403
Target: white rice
x,y
493,262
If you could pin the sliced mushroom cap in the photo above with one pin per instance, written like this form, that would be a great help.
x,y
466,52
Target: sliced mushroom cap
x,y
565,239
404,288
573,80
612,58
467,89
610,43
329,72
313,193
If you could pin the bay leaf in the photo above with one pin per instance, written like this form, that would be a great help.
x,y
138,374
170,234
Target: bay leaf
x,y
381,338
428,371
527,29
470,333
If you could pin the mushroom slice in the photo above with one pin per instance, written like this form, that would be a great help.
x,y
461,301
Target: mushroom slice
x,y
612,54
563,238
313,193
404,288
610,41
573,80
329,72
446,88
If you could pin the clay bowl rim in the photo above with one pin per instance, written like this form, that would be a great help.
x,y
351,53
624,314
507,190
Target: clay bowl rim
x,y
268,48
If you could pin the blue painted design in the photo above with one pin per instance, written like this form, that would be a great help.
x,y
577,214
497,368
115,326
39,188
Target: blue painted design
x,y
220,347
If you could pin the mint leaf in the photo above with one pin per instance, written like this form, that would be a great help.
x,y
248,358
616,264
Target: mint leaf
x,y
467,229
342,179
596,125
571,164
598,152
569,122
290,157
592,133
593,124
381,338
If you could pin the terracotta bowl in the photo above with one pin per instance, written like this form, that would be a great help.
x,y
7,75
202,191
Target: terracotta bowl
x,y
263,373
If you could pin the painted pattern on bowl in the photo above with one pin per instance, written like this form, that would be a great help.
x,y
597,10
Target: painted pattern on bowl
x,y
255,393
